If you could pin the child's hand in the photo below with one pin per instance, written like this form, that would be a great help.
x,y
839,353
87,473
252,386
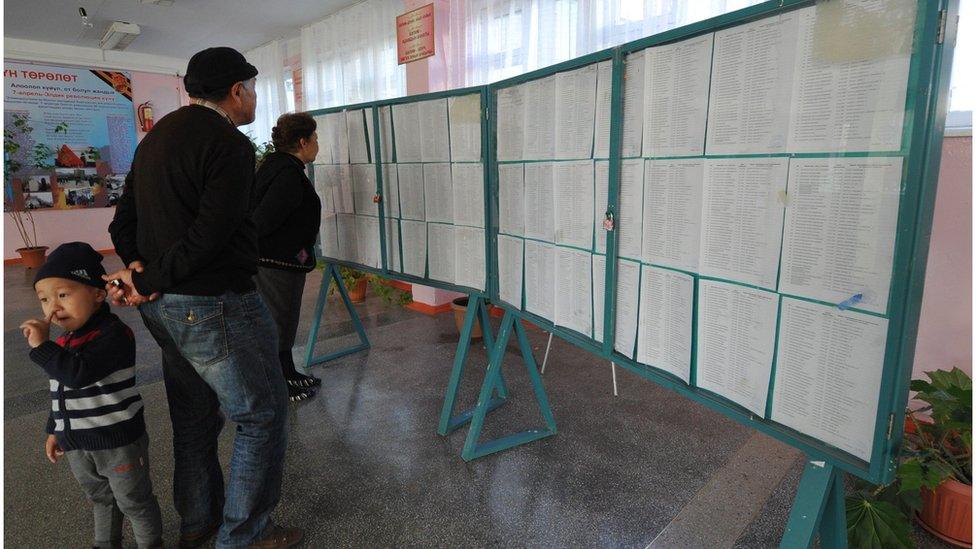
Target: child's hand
x,y
37,331
52,449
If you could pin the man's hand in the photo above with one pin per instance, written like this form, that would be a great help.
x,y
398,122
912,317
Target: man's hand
x,y
37,331
126,293
52,449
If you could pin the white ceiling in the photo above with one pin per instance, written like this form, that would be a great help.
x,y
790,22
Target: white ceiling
x,y
178,30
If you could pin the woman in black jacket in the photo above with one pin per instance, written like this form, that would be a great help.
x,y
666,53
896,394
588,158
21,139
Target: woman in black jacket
x,y
287,215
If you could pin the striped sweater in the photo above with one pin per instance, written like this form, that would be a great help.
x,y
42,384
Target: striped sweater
x,y
94,401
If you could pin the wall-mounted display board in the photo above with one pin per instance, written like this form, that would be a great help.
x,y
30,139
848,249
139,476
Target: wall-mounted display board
x,y
69,136
403,187
737,210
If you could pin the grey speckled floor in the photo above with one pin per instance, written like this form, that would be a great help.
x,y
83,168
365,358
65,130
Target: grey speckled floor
x,y
365,467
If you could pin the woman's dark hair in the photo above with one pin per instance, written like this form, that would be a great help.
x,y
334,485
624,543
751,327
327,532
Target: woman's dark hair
x,y
290,128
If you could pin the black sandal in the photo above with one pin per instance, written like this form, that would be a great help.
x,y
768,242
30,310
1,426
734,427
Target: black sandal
x,y
297,394
302,380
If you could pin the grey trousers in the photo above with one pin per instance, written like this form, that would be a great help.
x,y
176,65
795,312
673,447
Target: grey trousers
x,y
117,483
282,292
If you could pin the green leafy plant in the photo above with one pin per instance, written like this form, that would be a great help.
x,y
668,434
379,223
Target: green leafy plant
x,y
938,449
942,448
261,150
377,284
40,158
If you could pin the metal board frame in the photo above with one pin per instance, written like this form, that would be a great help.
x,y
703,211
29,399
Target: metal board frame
x,y
924,120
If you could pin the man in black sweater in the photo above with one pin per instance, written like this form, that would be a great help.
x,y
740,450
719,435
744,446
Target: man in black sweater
x,y
182,227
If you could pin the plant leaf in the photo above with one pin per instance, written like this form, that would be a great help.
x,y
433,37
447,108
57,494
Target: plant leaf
x,y
876,525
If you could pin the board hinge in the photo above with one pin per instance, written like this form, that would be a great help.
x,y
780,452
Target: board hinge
x,y
943,15
891,425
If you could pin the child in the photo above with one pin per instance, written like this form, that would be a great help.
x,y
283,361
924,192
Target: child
x,y
96,413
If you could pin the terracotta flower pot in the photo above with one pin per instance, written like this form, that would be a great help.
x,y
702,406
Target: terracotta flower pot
x,y
460,307
33,257
357,293
947,512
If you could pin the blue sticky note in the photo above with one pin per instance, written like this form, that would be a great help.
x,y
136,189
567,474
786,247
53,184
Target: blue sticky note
x,y
850,302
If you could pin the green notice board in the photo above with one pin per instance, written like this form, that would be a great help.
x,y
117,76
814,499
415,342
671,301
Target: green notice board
x,y
403,188
738,210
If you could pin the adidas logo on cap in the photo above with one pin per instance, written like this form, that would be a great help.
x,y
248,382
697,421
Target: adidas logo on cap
x,y
81,273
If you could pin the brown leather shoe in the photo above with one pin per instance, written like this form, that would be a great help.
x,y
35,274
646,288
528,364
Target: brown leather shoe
x,y
190,541
278,537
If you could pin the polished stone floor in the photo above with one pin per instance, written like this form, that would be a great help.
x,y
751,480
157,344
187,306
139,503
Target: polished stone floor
x,y
366,468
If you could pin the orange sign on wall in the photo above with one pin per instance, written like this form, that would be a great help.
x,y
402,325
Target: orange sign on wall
x,y
415,34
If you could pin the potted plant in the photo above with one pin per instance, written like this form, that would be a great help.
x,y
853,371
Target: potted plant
x,y
934,477
356,283
33,256
460,307
939,452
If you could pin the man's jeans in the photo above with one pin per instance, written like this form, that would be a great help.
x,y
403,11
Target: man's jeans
x,y
221,353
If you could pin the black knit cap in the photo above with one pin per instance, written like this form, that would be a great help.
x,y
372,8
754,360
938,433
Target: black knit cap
x,y
215,69
75,261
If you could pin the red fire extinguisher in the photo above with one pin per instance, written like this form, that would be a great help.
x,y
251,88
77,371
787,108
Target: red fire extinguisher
x,y
145,116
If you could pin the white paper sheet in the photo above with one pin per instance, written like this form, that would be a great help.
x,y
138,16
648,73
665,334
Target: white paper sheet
x,y
633,123
406,129
464,115
540,278
736,333
510,270
355,125
368,241
601,190
676,78
511,118
511,199
828,374
599,283
851,97
326,180
337,139
573,208
601,131
348,245
469,262
441,253
749,100
344,192
839,237
630,207
539,217
628,294
393,245
672,212
438,193
469,194
391,191
364,188
410,179
540,114
413,236
386,134
329,236
573,307
575,112
435,145
664,325
742,219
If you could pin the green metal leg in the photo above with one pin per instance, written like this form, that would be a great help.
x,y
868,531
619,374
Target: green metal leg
x,y
477,310
472,449
818,508
332,274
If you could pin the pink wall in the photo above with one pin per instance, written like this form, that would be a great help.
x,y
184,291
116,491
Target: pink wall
x,y
91,225
946,324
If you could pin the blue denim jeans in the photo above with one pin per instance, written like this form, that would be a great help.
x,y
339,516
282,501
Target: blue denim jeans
x,y
220,354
